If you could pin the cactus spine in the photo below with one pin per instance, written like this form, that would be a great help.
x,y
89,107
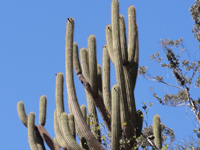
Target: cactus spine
x,y
118,109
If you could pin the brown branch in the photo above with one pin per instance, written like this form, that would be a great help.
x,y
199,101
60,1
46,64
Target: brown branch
x,y
98,102
47,138
191,104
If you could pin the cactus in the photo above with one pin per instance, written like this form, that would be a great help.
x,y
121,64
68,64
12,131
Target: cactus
x,y
115,134
118,109
157,131
35,139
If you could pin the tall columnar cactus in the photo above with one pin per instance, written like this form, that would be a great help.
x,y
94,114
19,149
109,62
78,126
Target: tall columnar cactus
x,y
157,131
117,109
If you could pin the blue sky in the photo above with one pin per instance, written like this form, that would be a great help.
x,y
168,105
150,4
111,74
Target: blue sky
x,y
32,45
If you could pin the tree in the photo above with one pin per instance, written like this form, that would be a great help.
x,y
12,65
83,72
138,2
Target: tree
x,y
185,69
195,9
123,123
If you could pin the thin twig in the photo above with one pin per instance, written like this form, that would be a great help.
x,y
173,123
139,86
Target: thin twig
x,y
164,83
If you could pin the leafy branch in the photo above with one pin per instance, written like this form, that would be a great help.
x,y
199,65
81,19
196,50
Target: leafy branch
x,y
184,72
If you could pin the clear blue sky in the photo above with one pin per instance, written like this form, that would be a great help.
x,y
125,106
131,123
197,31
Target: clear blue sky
x,y
32,41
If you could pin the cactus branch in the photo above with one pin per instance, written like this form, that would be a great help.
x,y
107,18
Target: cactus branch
x,y
71,89
123,42
31,127
115,134
119,69
131,33
157,131
43,106
106,79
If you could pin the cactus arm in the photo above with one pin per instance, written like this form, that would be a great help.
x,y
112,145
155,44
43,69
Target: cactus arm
x,y
71,88
131,34
59,93
119,69
84,63
66,133
123,42
62,143
93,65
106,79
43,106
157,131
21,112
76,62
90,72
31,128
59,98
24,119
85,66
72,125
115,30
134,68
91,101
115,124
109,42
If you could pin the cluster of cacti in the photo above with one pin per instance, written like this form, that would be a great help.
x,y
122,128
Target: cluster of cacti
x,y
118,109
